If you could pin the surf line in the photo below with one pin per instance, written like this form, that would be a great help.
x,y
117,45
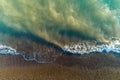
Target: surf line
x,y
7,50
83,48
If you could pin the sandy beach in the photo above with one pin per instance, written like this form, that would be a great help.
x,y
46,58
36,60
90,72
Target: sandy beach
x,y
64,68
61,67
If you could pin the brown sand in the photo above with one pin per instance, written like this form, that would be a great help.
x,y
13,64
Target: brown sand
x,y
57,72
65,68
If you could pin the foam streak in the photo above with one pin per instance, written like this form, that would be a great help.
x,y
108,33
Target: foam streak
x,y
7,50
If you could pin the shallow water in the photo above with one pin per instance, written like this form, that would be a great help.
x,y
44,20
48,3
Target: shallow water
x,y
61,22
56,20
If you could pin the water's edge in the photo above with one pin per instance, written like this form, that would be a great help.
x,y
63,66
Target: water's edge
x,y
75,49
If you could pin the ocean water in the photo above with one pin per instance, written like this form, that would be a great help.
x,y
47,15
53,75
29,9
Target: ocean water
x,y
57,21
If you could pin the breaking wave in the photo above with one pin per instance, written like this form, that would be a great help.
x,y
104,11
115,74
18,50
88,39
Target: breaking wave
x,y
86,48
76,49
59,21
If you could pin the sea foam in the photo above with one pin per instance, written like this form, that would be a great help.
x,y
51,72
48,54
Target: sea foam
x,y
84,48
7,50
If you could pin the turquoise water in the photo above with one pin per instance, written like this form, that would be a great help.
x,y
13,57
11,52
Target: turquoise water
x,y
51,19
58,21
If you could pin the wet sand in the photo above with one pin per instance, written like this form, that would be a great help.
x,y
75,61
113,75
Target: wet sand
x,y
61,67
64,68
56,72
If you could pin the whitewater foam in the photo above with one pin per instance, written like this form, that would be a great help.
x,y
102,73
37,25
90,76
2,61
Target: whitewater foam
x,y
5,50
81,48
84,48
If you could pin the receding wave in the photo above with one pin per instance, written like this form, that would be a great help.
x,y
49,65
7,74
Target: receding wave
x,y
7,50
77,49
58,21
